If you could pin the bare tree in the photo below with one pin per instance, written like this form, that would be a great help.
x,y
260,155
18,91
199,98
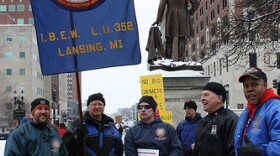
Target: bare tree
x,y
252,30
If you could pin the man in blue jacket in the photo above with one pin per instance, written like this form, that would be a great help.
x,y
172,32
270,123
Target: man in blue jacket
x,y
101,136
258,129
186,128
151,135
36,138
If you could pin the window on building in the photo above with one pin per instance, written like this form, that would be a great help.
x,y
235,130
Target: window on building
x,y
9,89
29,8
214,47
9,71
274,35
20,7
11,8
220,62
213,15
252,35
211,2
3,8
202,53
22,54
196,16
9,38
9,55
22,71
206,20
214,69
202,40
278,60
224,4
240,106
193,47
213,30
206,5
20,21
201,11
201,25
22,38
253,59
30,20
218,9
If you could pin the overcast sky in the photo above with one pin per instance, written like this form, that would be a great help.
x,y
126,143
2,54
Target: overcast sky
x,y
120,85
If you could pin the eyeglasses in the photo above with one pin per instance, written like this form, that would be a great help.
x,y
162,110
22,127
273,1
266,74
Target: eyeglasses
x,y
144,106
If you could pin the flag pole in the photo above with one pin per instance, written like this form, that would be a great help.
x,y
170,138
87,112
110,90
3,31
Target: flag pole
x,y
78,84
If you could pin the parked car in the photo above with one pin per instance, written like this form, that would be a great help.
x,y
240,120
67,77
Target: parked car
x,y
4,135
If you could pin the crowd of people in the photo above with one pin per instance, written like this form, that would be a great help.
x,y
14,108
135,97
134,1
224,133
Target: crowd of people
x,y
220,133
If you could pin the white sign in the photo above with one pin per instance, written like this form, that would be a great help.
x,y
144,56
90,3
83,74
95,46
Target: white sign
x,y
147,152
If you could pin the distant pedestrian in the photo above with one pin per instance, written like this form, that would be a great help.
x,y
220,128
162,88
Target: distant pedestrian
x,y
258,129
36,138
151,135
62,129
214,134
186,128
119,127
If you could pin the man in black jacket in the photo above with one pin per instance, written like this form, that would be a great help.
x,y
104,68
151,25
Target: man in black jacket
x,y
214,134
102,137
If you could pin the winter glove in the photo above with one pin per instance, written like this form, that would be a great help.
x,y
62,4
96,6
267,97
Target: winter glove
x,y
155,23
81,131
249,149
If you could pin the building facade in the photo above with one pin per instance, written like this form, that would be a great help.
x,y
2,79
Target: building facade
x,y
210,45
20,65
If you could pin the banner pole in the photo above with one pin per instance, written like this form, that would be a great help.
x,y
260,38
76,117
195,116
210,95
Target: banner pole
x,y
78,83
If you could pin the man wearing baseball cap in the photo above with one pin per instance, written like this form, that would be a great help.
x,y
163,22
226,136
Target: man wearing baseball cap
x,y
36,137
150,133
214,134
258,128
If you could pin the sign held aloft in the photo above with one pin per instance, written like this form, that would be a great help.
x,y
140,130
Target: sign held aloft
x,y
75,35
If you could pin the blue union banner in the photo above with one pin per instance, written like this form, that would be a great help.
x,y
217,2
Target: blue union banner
x,y
78,35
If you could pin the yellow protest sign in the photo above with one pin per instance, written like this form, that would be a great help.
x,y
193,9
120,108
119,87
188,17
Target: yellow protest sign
x,y
152,85
166,117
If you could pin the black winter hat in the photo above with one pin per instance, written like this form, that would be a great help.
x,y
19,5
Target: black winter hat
x,y
150,100
97,96
38,101
190,104
216,88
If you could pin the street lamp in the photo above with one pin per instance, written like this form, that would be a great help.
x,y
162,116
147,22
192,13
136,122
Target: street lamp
x,y
19,113
53,104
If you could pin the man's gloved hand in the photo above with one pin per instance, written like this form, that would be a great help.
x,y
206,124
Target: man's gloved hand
x,y
249,149
81,131
155,23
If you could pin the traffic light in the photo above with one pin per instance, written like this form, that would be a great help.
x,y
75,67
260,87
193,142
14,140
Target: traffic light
x,y
54,95
275,84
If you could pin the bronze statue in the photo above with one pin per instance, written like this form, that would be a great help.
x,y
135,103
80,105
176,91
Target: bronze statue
x,y
177,23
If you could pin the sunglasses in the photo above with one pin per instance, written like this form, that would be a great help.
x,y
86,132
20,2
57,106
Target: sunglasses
x,y
144,106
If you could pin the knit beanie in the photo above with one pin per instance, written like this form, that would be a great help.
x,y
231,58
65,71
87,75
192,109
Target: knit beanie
x,y
216,88
39,101
97,96
150,100
190,104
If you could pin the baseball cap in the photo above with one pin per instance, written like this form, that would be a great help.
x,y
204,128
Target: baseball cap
x,y
254,72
